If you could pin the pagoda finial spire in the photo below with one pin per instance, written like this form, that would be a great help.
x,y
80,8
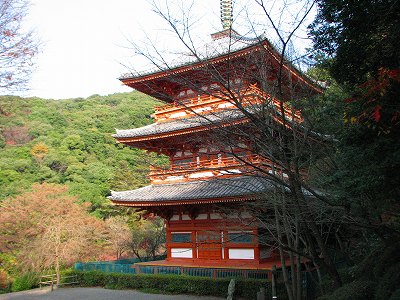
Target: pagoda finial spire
x,y
226,14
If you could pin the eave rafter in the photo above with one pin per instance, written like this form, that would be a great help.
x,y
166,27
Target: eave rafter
x,y
185,202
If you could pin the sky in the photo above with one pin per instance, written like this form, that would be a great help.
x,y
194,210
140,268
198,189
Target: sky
x,y
85,43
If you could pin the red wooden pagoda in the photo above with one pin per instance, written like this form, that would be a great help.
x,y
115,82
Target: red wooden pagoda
x,y
202,195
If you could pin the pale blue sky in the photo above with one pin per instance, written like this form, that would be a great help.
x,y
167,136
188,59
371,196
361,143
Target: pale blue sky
x,y
84,42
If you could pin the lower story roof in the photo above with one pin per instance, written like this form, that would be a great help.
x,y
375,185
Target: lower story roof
x,y
195,192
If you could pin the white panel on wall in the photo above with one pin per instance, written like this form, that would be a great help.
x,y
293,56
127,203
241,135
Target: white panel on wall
x,y
202,217
241,253
185,217
175,177
199,110
182,252
177,115
201,174
215,216
233,215
245,214
174,218
224,105
231,171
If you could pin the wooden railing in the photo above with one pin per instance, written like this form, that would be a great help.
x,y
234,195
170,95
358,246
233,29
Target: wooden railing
x,y
190,102
51,280
251,96
245,163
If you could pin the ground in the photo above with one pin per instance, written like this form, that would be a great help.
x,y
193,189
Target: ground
x,y
94,294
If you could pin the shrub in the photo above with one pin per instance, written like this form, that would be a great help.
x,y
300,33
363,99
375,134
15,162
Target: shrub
x,y
388,283
356,290
173,284
5,280
93,278
395,295
25,282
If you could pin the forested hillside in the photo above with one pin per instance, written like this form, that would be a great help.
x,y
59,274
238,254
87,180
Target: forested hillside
x,y
69,142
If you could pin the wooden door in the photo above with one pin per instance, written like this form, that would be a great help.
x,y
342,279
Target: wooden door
x,y
209,245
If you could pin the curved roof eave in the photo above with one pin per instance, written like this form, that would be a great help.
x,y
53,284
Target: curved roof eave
x,y
186,66
195,192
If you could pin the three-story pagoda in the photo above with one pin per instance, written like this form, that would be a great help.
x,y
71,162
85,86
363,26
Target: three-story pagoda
x,y
202,195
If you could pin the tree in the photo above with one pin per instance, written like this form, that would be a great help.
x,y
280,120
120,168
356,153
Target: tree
x,y
39,151
338,32
46,228
369,144
17,48
364,60
119,235
147,237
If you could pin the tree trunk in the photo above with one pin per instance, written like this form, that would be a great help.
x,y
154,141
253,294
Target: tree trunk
x,y
288,286
57,267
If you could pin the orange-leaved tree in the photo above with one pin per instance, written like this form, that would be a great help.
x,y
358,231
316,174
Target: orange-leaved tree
x,y
46,229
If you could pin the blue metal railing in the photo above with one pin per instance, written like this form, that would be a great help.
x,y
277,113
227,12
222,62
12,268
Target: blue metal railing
x,y
115,266
126,266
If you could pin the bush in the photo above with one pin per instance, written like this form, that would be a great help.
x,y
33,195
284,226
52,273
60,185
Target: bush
x,y
173,284
356,290
395,295
388,283
5,281
25,282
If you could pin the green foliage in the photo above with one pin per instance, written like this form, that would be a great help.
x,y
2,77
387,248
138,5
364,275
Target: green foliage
x,y
356,290
25,282
363,60
173,284
2,142
388,283
79,148
395,295
339,30
381,267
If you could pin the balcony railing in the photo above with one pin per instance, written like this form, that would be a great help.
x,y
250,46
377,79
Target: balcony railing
x,y
250,96
190,102
245,164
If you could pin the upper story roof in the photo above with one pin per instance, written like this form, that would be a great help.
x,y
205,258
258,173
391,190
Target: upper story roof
x,y
224,42
212,63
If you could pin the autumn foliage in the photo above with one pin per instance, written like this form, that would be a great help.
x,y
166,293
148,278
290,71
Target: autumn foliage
x,y
46,229
39,151
375,101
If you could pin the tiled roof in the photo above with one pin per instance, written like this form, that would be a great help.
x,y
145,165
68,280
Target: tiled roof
x,y
222,117
180,124
236,187
217,47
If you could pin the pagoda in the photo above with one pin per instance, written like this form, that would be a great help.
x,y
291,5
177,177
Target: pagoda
x,y
203,194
